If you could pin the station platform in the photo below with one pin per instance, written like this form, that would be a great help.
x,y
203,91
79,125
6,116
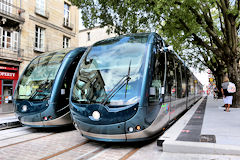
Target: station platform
x,y
204,129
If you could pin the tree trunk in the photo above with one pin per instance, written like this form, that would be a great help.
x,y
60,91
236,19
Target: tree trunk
x,y
236,98
219,74
234,77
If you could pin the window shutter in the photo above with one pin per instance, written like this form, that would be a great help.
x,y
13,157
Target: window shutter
x,y
1,36
43,40
69,21
15,41
10,7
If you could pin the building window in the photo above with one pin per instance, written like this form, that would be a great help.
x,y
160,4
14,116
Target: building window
x,y
39,38
88,35
8,39
66,14
66,42
40,7
5,6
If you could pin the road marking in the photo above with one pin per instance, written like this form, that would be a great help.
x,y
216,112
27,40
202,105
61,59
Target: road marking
x,y
185,131
129,154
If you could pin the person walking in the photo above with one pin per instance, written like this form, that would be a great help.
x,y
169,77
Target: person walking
x,y
227,97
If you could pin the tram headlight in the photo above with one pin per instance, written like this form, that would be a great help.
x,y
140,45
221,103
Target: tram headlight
x,y
96,115
130,129
24,108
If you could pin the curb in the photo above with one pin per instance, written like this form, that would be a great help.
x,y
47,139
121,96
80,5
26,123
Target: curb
x,y
200,148
11,124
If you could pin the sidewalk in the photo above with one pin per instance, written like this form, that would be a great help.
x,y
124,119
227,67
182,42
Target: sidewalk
x,y
8,121
205,129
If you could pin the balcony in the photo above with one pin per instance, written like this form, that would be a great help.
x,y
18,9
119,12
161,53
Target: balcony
x,y
10,14
9,54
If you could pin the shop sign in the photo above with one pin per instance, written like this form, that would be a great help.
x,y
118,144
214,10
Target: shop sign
x,y
8,75
9,68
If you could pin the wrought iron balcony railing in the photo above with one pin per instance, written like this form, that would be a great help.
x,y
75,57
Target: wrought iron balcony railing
x,y
9,10
10,54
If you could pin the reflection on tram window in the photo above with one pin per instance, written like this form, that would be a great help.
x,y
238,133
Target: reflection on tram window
x,y
158,70
36,83
107,76
171,79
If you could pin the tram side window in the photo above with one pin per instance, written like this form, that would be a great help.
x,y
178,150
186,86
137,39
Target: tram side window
x,y
184,82
179,78
171,79
157,75
188,75
191,85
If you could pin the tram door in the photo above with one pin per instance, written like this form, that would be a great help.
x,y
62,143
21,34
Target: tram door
x,y
6,96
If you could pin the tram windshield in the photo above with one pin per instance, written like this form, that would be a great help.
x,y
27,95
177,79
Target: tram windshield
x,y
37,80
110,73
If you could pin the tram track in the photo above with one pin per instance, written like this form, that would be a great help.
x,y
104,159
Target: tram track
x,y
20,135
27,140
129,154
92,154
64,151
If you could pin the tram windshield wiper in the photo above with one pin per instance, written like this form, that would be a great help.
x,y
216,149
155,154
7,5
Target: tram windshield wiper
x,y
118,86
128,78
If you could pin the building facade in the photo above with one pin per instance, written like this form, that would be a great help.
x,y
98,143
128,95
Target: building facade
x,y
89,36
29,28
50,25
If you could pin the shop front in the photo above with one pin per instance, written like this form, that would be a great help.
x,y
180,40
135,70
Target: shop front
x,y
8,81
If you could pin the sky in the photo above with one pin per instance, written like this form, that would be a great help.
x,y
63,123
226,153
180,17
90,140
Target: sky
x,y
201,76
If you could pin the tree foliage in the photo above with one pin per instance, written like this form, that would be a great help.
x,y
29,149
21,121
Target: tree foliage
x,y
202,31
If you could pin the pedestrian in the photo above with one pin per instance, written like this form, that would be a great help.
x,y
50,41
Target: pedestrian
x,y
227,97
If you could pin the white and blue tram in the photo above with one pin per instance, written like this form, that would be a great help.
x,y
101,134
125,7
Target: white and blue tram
x,y
128,88
41,97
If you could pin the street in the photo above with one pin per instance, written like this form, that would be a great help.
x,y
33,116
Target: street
x,y
28,143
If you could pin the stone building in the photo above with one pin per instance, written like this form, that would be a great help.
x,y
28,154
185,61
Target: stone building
x,y
49,25
29,28
89,36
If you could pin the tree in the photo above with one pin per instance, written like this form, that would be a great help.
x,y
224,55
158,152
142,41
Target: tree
x,y
208,27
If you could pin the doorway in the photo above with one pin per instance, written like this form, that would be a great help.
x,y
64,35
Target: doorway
x,y
7,96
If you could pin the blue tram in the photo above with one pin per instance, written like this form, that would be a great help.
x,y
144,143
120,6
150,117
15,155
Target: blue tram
x,y
41,97
128,88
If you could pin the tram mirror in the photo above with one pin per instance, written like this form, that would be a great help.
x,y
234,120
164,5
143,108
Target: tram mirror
x,y
62,91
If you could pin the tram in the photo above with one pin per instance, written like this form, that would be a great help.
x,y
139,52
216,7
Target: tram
x,y
41,97
130,87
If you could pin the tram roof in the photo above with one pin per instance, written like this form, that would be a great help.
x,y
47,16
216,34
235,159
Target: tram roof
x,y
65,51
147,35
